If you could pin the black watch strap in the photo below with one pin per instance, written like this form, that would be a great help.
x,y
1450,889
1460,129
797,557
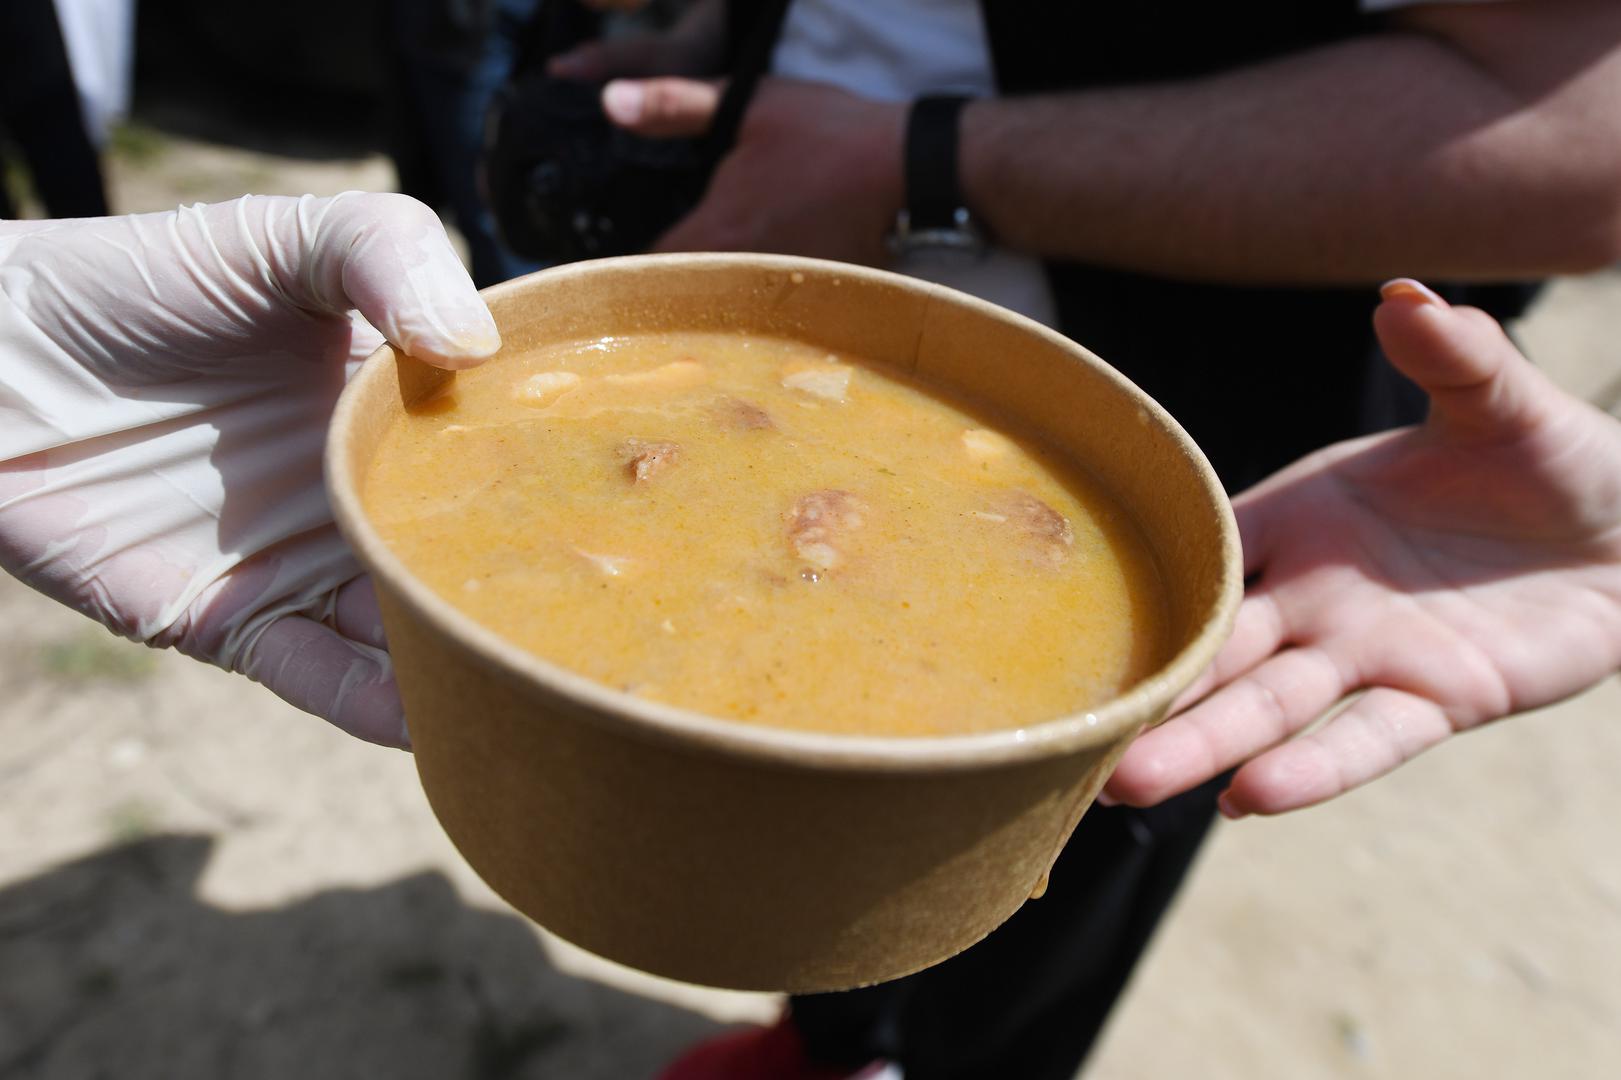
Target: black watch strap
x,y
933,197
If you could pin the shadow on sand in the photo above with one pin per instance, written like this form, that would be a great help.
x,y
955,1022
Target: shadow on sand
x,y
112,967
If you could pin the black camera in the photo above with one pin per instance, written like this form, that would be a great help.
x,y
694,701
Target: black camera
x,y
566,184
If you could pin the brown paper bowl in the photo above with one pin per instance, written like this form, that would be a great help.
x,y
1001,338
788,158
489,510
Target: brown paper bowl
x,y
743,856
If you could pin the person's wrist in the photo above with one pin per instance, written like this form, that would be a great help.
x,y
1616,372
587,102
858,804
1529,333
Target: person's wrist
x,y
881,158
935,215
976,160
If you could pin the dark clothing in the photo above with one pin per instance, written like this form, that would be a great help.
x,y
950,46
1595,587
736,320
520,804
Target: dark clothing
x,y
1037,46
1259,377
1028,1001
449,59
40,116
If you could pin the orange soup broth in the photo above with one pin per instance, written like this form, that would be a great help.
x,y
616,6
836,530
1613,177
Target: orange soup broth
x,y
755,529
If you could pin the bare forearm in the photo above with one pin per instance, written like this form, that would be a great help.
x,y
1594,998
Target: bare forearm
x,y
1397,153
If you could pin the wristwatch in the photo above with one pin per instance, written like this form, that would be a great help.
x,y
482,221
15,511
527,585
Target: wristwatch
x,y
935,217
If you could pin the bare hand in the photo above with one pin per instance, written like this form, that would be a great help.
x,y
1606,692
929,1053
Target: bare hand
x,y
816,171
1457,572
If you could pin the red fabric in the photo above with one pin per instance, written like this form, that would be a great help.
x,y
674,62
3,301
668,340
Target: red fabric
x,y
768,1053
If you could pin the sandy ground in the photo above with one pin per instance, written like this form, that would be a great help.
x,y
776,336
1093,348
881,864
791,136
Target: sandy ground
x,y
199,883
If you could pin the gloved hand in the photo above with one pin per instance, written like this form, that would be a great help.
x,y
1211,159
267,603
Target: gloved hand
x,y
167,384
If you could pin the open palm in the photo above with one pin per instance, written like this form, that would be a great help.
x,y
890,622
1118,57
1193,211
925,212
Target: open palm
x,y
1453,573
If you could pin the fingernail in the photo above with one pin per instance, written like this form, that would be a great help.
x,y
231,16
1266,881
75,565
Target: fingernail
x,y
1105,799
1224,803
457,338
476,335
622,101
1405,286
477,342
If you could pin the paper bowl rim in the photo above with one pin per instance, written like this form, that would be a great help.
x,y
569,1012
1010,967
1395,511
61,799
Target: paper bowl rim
x,y
639,717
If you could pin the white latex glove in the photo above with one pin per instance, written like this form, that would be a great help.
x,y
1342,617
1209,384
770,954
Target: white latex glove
x,y
167,380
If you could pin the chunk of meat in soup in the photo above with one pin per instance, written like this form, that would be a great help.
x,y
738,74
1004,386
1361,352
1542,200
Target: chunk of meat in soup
x,y
821,525
742,415
645,458
1045,533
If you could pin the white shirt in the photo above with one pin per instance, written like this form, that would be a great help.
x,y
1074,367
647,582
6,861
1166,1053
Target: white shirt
x,y
898,50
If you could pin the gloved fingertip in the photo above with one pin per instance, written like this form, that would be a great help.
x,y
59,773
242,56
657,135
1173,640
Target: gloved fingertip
x,y
400,270
457,345
312,667
448,326
373,714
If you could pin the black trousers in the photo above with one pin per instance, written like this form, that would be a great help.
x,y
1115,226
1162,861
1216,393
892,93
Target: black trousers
x,y
39,113
1027,1003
